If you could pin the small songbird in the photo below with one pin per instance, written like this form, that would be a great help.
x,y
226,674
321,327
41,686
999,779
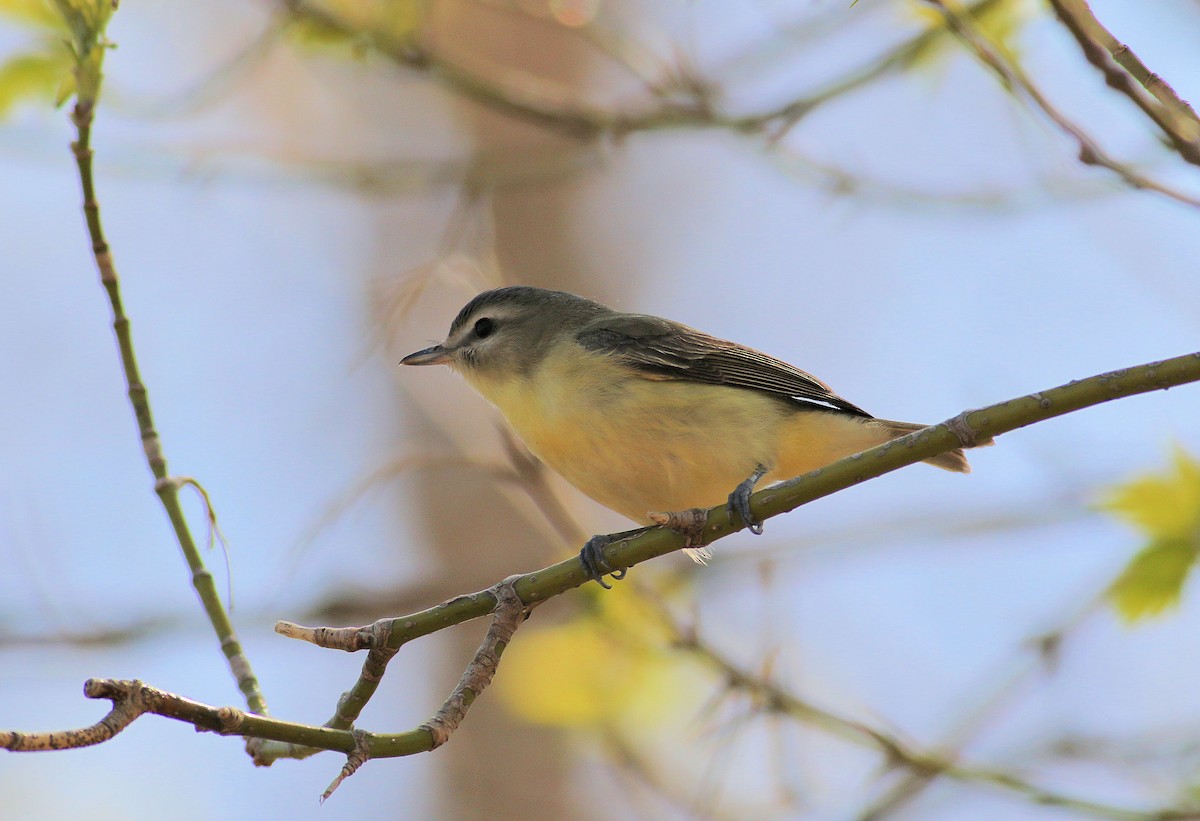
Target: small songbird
x,y
646,415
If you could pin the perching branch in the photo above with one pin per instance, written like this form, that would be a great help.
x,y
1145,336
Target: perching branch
x,y
87,28
387,636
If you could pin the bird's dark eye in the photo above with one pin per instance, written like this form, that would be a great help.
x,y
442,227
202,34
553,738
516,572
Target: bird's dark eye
x,y
484,327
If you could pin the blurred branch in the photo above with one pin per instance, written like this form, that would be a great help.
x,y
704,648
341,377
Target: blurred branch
x,y
640,63
1124,71
685,101
897,753
1045,648
94,637
840,182
528,100
1015,79
87,23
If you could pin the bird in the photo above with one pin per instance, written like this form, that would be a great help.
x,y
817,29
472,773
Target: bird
x,y
646,415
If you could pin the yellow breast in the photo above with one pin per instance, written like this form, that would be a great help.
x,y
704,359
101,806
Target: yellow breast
x,y
638,444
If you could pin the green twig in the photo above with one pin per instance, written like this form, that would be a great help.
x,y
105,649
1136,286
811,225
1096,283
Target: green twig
x,y
86,23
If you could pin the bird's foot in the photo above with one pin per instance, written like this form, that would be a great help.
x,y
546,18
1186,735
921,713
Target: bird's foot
x,y
690,525
739,501
595,565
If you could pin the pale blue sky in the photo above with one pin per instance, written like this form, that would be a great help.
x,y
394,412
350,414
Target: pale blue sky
x,y
248,289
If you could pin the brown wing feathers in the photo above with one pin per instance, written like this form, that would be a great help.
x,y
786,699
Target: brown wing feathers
x,y
669,350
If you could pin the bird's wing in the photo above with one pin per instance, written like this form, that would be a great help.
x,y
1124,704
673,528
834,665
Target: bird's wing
x,y
663,349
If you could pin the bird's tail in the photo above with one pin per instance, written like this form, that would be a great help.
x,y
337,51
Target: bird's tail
x,y
954,460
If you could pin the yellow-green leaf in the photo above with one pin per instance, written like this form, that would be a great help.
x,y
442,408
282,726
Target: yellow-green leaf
x,y
1154,580
999,21
1166,509
37,13
1161,505
32,77
606,668
359,24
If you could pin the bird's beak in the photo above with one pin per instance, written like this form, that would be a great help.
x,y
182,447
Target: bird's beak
x,y
437,355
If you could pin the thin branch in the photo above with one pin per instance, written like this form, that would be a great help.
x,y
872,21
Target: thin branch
x,y
510,612
1124,71
1015,78
89,48
132,699
508,615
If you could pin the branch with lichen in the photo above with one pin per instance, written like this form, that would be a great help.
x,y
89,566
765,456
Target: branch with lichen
x,y
510,600
86,20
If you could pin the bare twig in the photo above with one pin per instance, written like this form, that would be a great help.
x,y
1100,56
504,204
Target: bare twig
x,y
358,756
509,613
1014,77
1124,71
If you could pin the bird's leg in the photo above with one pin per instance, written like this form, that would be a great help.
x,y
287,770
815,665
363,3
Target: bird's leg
x,y
739,501
595,566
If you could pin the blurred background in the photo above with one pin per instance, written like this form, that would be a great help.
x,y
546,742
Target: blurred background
x,y
298,194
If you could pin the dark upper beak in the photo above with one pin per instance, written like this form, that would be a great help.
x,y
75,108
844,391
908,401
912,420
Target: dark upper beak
x,y
437,355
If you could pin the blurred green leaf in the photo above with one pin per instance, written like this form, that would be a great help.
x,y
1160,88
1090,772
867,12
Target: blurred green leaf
x,y
85,21
39,76
36,13
1154,580
334,24
1166,509
1000,21
610,667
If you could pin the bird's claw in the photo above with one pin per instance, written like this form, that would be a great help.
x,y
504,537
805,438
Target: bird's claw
x,y
595,565
739,501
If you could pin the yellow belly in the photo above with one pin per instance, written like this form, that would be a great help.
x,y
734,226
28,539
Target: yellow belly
x,y
639,445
